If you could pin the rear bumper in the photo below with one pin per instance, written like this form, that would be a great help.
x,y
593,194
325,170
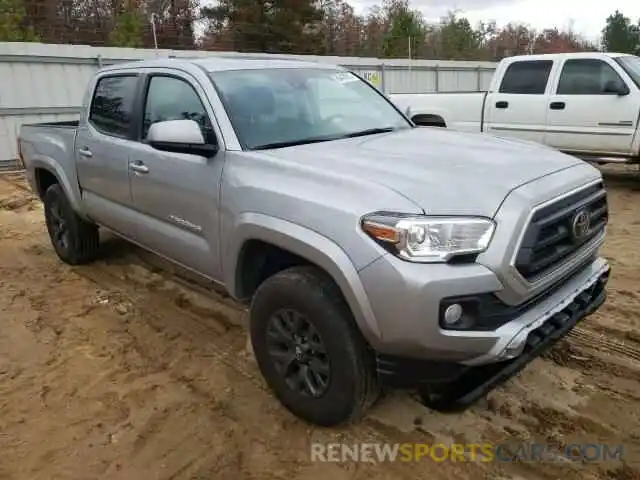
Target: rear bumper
x,y
458,385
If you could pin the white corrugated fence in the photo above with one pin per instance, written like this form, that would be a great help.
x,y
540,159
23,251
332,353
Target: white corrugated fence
x,y
45,83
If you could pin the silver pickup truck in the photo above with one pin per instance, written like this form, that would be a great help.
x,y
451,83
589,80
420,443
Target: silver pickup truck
x,y
373,253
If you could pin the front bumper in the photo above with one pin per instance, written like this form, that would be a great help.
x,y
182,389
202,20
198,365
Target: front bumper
x,y
456,385
406,299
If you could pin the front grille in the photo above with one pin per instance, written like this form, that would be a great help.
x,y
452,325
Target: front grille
x,y
557,231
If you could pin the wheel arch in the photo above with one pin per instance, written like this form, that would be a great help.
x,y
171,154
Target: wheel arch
x,y
302,246
45,170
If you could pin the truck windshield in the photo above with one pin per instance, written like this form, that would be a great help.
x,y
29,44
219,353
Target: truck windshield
x,y
275,108
631,65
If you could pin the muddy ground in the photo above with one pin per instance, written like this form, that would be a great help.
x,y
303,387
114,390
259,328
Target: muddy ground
x,y
127,369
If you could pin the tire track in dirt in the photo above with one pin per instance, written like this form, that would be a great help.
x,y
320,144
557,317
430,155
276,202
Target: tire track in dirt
x,y
223,343
604,343
226,349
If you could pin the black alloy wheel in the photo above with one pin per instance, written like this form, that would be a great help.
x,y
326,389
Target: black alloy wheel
x,y
57,225
298,353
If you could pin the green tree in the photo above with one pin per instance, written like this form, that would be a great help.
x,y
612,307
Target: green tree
x,y
620,35
458,39
282,26
128,30
406,29
13,26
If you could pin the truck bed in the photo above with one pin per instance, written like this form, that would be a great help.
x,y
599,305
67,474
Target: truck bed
x,y
50,146
456,110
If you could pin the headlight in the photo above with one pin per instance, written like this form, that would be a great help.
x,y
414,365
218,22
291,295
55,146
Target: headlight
x,y
429,239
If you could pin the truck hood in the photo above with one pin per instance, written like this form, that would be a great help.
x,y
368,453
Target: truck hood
x,y
443,171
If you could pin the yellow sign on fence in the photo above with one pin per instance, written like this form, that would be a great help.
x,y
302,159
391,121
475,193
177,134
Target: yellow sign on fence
x,y
373,78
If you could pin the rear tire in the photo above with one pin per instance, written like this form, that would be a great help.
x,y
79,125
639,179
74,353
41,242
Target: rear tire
x,y
74,240
309,350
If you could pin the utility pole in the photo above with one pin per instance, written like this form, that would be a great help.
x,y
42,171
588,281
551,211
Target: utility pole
x,y
153,28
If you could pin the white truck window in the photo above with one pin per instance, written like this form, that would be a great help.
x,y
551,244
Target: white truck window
x,y
631,65
586,77
112,104
526,77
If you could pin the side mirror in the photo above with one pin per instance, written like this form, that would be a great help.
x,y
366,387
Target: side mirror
x,y
616,88
180,136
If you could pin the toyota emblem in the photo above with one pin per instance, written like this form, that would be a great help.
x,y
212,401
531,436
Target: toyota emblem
x,y
581,225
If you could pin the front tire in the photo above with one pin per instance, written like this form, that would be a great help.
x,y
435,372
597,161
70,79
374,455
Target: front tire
x,y
74,240
309,350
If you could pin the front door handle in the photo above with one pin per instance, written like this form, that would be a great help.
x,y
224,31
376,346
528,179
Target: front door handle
x,y
502,104
557,106
139,168
85,152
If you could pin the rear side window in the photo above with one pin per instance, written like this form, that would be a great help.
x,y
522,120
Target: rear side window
x,y
528,78
112,104
586,77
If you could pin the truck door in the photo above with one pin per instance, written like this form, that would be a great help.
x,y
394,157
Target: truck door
x,y
177,193
593,110
519,107
102,150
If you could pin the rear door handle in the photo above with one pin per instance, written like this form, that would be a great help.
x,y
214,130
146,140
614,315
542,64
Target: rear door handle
x,y
502,104
557,106
85,152
139,168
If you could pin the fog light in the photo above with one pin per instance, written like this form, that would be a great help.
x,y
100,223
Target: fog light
x,y
453,314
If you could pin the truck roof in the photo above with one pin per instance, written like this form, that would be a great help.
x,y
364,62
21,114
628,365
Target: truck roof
x,y
560,56
221,63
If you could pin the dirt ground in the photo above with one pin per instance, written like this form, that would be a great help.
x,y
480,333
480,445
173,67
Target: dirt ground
x,y
127,369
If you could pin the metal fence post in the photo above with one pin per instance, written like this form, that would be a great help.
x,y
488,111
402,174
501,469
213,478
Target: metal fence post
x,y
479,72
383,85
99,61
436,72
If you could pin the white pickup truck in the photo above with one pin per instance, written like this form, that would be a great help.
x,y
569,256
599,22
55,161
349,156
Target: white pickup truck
x,y
584,104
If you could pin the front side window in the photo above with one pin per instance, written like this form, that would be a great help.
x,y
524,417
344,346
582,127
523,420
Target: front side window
x,y
586,77
170,98
526,77
631,65
280,107
112,104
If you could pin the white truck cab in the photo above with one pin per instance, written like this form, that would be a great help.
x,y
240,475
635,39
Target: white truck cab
x,y
586,104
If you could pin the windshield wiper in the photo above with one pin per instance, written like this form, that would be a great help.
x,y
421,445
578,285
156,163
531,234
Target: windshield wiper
x,y
293,143
305,141
369,131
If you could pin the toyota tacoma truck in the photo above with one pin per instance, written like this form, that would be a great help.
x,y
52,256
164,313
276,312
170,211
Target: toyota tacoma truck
x,y
371,253
584,104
